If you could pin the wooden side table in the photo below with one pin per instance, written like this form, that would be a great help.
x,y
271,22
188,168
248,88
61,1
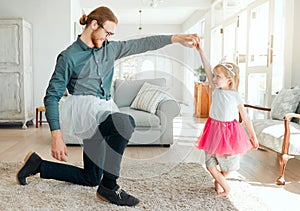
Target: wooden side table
x,y
202,96
39,110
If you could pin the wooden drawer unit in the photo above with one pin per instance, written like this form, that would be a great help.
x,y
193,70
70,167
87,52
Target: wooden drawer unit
x,y
202,96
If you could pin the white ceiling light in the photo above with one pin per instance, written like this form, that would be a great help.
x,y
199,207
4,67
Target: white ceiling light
x,y
140,26
153,3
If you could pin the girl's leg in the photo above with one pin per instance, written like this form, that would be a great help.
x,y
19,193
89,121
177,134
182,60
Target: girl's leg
x,y
222,187
218,187
227,164
225,174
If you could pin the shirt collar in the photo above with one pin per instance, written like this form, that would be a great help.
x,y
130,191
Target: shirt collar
x,y
82,44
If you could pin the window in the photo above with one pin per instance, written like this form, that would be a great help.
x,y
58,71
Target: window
x,y
255,43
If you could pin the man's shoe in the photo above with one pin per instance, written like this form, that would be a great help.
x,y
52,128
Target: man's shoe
x,y
116,196
31,166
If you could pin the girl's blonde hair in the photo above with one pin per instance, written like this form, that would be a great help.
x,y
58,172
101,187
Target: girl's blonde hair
x,y
230,70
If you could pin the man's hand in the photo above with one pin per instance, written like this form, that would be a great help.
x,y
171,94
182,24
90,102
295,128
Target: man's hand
x,y
188,40
59,149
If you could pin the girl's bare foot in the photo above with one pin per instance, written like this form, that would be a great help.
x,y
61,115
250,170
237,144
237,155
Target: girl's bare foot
x,y
221,194
225,192
224,188
218,188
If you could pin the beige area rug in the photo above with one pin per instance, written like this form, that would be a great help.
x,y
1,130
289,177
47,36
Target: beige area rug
x,y
182,186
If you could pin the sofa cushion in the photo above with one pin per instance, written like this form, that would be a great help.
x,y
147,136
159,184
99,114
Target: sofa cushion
x,y
149,97
126,90
142,118
285,102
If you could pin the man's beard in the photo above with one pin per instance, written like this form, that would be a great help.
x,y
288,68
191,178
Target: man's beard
x,y
96,41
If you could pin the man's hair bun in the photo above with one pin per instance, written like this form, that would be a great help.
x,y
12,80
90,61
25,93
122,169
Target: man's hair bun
x,y
83,19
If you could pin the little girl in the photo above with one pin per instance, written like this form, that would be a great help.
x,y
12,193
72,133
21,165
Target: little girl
x,y
223,138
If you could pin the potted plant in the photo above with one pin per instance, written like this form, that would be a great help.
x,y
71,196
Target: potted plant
x,y
201,73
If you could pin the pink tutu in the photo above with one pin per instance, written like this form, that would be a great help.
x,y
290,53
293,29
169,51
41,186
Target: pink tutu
x,y
223,138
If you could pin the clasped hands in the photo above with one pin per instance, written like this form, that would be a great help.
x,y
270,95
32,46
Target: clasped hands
x,y
187,40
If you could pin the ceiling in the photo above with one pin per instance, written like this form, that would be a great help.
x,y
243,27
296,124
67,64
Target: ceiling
x,y
167,11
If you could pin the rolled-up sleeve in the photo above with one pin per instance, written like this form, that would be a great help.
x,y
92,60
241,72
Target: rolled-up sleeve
x,y
55,91
141,45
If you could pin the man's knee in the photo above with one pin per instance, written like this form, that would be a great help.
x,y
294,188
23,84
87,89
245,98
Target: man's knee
x,y
124,124
122,118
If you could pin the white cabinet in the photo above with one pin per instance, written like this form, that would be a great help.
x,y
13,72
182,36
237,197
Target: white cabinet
x,y
16,79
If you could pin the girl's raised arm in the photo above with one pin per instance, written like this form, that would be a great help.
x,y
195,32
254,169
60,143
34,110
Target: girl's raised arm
x,y
206,64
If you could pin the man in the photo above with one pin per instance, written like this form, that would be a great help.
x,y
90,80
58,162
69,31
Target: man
x,y
86,69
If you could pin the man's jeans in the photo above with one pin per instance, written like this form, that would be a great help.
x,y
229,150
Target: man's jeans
x,y
102,153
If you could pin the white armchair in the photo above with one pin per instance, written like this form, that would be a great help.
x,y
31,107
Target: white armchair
x,y
281,132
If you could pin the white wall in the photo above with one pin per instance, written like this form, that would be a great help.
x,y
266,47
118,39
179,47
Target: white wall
x,y
193,20
296,46
50,21
76,13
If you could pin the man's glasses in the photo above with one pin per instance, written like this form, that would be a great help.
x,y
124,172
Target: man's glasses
x,y
108,34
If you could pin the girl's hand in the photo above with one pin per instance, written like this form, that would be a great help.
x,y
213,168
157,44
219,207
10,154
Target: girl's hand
x,y
255,143
187,40
199,48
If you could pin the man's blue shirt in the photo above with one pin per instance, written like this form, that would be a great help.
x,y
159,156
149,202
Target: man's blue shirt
x,y
89,71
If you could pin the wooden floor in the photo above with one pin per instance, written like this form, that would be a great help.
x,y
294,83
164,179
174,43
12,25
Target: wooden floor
x,y
260,167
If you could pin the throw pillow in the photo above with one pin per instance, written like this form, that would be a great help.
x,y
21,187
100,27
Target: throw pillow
x,y
286,101
297,120
148,97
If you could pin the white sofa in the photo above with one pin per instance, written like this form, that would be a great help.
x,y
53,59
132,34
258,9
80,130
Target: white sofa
x,y
151,129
